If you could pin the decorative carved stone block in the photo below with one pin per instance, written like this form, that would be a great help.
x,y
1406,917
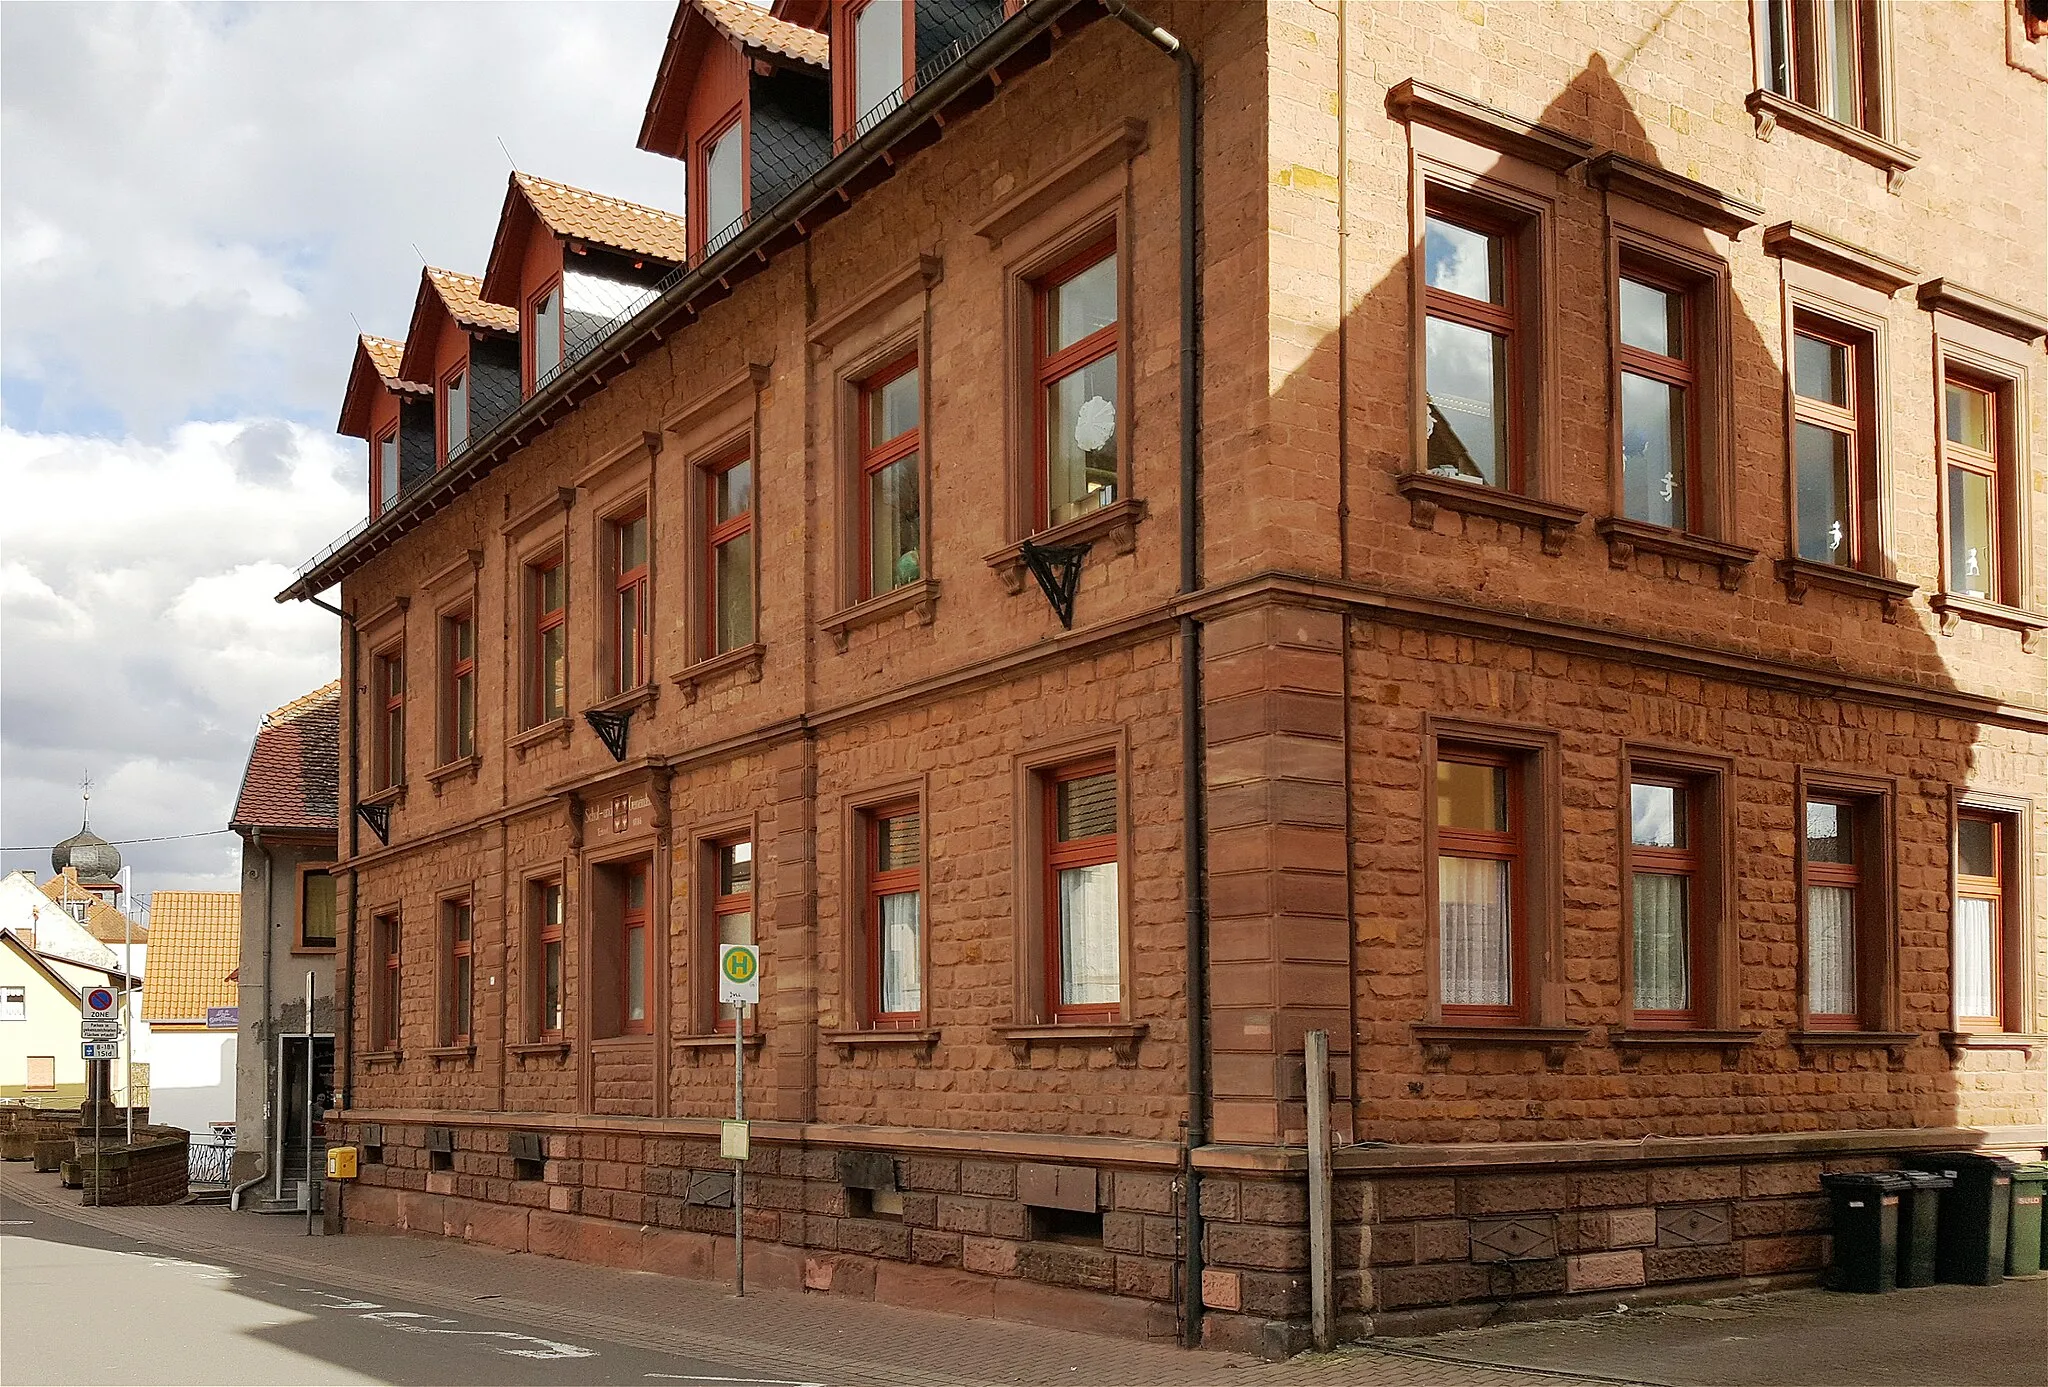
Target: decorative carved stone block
x,y
1697,1225
1526,1237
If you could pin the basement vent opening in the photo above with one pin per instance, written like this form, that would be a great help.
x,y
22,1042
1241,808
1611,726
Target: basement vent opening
x,y
1066,1226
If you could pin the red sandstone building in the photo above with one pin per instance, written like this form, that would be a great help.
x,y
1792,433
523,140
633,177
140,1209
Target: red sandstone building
x,y
1580,495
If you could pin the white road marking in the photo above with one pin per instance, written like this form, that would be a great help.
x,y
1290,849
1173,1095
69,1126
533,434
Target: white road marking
x,y
414,1322
747,1381
341,1302
15,1222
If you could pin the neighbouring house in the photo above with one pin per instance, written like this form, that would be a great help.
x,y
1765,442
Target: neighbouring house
x,y
1521,551
286,815
188,1000
48,964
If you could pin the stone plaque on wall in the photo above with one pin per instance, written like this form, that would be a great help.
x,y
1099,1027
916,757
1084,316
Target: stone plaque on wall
x,y
1524,1237
1696,1225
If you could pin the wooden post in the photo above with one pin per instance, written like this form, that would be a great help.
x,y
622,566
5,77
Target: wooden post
x,y
1316,1062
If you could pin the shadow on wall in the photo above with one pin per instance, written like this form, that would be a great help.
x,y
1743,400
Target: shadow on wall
x,y
1600,694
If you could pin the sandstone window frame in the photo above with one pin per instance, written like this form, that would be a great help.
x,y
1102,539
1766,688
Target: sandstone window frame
x,y
859,816
849,347
1871,801
711,905
302,941
453,592
1791,45
387,996
387,725
2018,932
723,532
1675,235
609,928
535,539
546,917
620,485
1039,1017
455,975
545,700
1086,200
630,597
1536,1011
721,423
456,684
1467,156
1988,360
1707,783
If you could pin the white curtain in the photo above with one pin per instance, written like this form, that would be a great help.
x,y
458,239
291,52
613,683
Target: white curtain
x,y
1477,936
1830,951
900,988
1662,959
1976,938
1091,967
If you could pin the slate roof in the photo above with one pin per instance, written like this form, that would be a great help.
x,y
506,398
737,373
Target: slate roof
x,y
195,943
464,296
606,221
753,27
293,779
102,921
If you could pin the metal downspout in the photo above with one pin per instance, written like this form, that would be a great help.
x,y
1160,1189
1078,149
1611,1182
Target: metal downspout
x,y
345,983
1193,815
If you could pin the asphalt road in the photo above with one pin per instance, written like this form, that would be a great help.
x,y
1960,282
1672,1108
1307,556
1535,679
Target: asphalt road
x,y
78,1305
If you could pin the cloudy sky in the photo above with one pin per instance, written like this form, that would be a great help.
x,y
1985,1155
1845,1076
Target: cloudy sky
x,y
194,200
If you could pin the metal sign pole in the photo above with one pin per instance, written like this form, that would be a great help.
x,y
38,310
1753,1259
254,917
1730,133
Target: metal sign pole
x,y
127,1017
99,1165
739,1168
309,1103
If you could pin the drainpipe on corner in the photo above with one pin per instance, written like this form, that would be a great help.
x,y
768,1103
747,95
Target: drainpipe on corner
x,y
1193,811
344,984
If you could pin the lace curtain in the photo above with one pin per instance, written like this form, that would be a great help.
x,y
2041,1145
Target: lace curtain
x,y
901,989
1976,937
1830,951
1090,967
1476,932
1662,961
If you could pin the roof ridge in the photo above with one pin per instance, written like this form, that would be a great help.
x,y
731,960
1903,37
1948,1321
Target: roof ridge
x,y
754,27
304,702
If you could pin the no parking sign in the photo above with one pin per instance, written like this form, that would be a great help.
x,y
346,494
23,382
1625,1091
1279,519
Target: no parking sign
x,y
99,1001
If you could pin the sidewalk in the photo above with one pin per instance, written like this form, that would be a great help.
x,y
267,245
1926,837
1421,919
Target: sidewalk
x,y
1980,1337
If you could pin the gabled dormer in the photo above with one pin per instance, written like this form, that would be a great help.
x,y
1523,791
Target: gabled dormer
x,y
572,263
745,99
879,47
393,415
468,350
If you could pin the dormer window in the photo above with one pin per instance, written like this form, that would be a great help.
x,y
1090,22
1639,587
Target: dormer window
x,y
386,450
879,61
725,189
455,413
544,330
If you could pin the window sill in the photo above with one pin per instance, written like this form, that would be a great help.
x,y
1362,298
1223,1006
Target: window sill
x,y
716,1041
554,731
1893,1043
539,1049
1625,538
1957,1041
1801,576
626,702
1954,608
450,1054
1772,110
313,951
1729,1043
390,794
847,1042
692,678
921,596
377,1057
1115,524
1427,494
1120,1036
463,768
1555,1041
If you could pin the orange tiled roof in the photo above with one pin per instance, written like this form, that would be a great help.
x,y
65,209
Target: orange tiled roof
x,y
293,779
195,942
752,27
385,355
102,921
464,296
606,221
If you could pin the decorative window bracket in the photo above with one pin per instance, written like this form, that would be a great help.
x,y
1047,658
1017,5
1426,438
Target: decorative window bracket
x,y
378,817
1058,571
611,729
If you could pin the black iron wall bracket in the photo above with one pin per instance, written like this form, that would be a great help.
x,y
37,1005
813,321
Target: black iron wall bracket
x,y
1057,568
611,730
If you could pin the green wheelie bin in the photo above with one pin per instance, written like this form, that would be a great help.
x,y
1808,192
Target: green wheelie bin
x,y
1920,1226
2023,1234
1866,1209
1970,1249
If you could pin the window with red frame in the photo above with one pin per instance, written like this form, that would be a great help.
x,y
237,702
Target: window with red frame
x,y
458,691
385,450
544,332
1659,428
881,36
1834,907
1479,874
458,929
1471,347
729,553
891,513
385,994
1074,353
387,743
732,909
1825,55
1977,488
1980,921
547,603
633,1007
548,916
1834,453
722,183
1083,927
627,541
454,413
1664,889
895,909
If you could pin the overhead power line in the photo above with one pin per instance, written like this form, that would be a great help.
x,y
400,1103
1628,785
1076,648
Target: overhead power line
x,y
125,842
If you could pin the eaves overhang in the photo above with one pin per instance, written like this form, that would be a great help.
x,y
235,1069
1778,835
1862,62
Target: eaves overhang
x,y
1021,42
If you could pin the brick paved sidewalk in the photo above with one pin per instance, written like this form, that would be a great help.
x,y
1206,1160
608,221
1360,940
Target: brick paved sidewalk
x,y
847,1343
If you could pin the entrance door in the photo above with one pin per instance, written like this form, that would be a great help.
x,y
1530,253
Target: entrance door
x,y
291,1086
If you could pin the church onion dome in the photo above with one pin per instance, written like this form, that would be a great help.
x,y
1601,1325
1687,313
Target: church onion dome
x,y
94,857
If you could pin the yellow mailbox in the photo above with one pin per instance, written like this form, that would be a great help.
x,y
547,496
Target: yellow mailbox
x,y
341,1163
